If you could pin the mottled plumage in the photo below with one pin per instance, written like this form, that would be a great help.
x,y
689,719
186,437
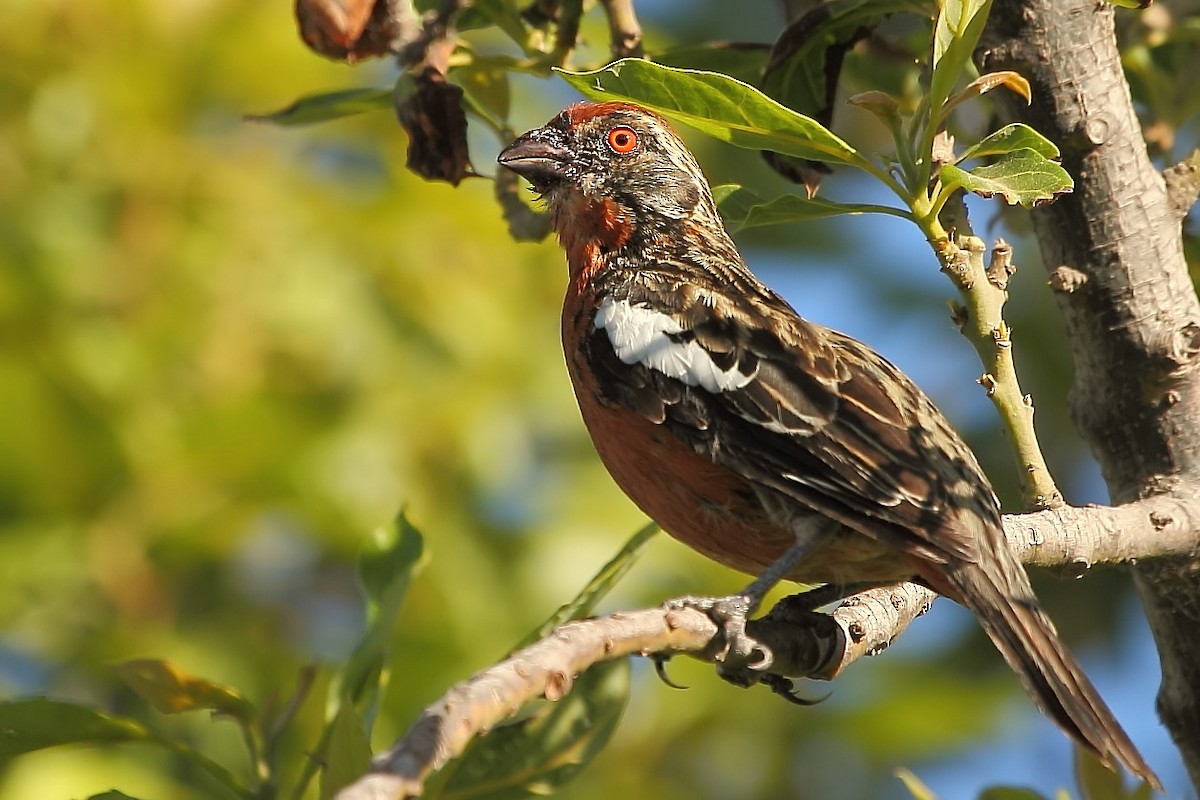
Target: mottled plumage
x,y
743,429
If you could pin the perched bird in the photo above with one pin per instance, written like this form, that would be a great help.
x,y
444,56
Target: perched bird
x,y
768,443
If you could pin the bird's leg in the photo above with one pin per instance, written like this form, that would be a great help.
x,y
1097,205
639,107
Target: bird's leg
x,y
822,595
739,649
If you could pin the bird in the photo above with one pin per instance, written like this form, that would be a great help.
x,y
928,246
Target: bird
x,y
766,442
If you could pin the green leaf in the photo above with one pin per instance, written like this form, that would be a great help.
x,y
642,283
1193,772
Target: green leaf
x,y
742,209
915,786
112,794
735,203
1010,793
38,723
959,24
389,559
741,60
545,748
327,106
386,566
718,105
806,60
172,691
585,602
1139,4
1009,139
347,754
1023,176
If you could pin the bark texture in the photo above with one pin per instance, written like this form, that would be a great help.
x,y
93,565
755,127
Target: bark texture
x,y
1114,251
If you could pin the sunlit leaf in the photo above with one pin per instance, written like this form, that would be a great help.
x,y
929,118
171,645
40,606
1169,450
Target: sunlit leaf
x,y
718,105
171,690
915,786
328,106
959,24
547,746
347,754
1131,3
986,83
38,723
1009,139
742,209
1023,176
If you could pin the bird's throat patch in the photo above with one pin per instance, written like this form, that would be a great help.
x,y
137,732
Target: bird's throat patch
x,y
588,228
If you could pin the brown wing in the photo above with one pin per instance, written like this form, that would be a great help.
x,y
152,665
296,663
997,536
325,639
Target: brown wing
x,y
824,422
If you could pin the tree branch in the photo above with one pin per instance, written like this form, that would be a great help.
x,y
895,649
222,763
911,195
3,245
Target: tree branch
x,y
804,643
1116,254
624,30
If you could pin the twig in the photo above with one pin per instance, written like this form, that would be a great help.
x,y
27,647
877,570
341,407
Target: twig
x,y
624,30
803,643
983,289
437,26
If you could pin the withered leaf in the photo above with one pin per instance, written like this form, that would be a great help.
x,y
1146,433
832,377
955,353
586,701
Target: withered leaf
x,y
349,30
436,123
804,68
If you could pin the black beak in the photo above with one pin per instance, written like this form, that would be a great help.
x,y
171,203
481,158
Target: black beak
x,y
540,157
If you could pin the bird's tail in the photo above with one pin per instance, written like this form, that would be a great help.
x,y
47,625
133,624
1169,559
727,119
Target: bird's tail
x,y
1002,599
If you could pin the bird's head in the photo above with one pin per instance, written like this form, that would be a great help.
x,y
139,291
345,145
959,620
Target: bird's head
x,y
616,161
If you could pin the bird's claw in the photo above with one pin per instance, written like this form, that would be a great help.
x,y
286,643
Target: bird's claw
x,y
785,688
660,669
738,650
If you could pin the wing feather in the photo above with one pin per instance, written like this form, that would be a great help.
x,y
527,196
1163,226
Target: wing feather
x,y
824,422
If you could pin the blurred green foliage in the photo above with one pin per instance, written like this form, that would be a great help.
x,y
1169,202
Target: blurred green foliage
x,y
229,350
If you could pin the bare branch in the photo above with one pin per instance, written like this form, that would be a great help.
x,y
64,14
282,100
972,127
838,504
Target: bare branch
x,y
436,27
1072,539
625,32
803,643
1128,301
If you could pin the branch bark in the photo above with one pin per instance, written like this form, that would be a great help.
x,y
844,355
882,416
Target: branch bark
x,y
1130,308
803,643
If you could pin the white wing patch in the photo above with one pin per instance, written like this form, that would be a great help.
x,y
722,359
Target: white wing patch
x,y
641,335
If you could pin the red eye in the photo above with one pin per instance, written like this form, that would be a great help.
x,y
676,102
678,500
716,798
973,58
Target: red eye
x,y
623,140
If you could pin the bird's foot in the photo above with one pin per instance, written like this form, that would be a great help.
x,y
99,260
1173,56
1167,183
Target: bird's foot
x,y
736,651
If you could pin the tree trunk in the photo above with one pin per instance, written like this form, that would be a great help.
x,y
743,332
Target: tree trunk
x,y
1114,251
